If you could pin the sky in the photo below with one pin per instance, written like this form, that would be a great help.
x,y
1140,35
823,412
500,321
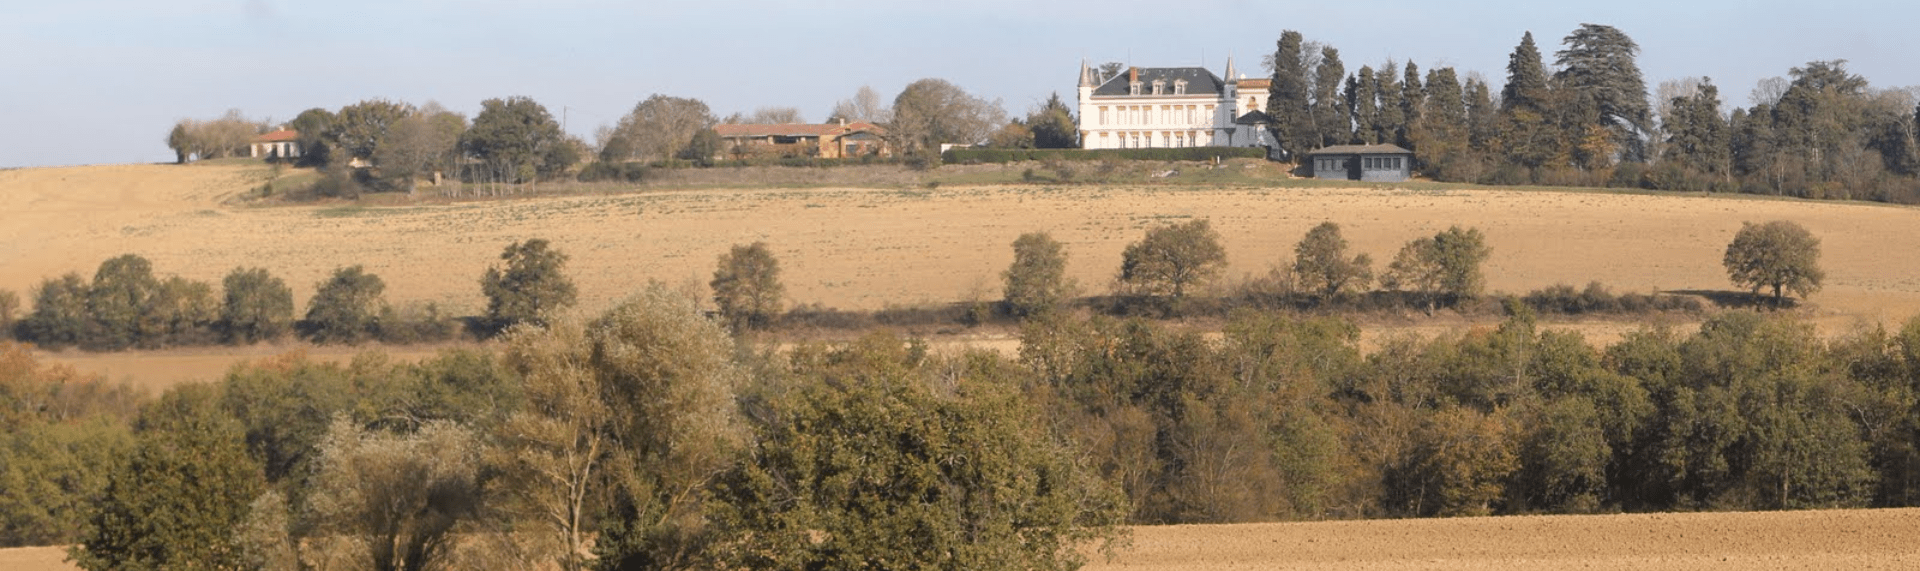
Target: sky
x,y
103,81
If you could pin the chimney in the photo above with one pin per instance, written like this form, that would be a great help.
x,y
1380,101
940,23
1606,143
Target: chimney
x,y
1133,75
843,121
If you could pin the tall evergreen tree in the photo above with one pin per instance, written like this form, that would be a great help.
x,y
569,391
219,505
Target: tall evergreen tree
x,y
1442,132
1393,114
1598,66
1526,77
1366,106
1329,111
1482,115
1288,96
1697,135
1413,99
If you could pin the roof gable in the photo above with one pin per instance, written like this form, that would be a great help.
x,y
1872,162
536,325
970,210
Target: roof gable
x,y
1199,80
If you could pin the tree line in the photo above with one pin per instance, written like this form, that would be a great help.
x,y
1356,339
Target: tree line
x,y
1588,120
647,436
384,145
126,306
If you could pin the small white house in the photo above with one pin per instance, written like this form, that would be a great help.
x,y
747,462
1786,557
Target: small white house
x,y
280,144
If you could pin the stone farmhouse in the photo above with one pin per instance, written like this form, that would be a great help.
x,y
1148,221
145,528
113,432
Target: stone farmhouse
x,y
837,140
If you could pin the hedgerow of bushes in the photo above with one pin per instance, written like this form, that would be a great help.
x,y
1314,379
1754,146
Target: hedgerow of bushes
x,y
995,155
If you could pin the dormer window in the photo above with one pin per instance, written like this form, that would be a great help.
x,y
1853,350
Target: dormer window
x,y
1159,87
1133,88
1179,87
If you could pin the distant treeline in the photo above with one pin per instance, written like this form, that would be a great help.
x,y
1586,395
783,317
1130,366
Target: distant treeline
x,y
1589,121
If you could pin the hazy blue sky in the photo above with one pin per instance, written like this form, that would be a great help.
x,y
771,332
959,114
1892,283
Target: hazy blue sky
x,y
102,81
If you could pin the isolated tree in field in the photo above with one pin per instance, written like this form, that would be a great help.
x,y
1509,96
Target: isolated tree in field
x,y
931,112
746,286
1444,265
533,286
1174,259
1037,282
346,307
258,306
1320,263
658,128
1780,255
175,503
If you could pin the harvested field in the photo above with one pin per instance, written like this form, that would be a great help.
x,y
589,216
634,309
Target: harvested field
x,y
1859,539
1856,539
871,248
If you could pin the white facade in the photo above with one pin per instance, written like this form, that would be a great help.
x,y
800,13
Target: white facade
x,y
1169,107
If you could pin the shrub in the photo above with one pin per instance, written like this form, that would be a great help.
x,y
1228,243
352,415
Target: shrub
x,y
259,306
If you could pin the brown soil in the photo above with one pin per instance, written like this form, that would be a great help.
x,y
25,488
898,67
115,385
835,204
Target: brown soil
x,y
867,248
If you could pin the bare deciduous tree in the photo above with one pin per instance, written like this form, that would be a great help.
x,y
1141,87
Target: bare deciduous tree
x,y
865,105
657,128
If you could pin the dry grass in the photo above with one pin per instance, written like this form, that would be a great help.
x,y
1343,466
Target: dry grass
x,y
872,248
868,249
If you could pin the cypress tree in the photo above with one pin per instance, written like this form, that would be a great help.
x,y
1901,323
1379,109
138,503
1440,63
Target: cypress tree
x,y
1366,106
1413,98
1329,114
1393,116
1287,95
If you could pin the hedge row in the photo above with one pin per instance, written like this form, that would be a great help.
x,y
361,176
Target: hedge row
x,y
990,155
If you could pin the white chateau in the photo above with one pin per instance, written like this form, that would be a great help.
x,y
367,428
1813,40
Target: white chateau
x,y
1144,107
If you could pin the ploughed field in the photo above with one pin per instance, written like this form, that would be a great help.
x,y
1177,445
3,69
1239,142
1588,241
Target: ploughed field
x,y
870,248
1856,539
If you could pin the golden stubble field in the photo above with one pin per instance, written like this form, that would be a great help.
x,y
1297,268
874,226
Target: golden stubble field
x,y
869,248
1853,540
866,249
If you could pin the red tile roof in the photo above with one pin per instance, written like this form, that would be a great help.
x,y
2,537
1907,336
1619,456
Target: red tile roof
x,y
734,131
278,136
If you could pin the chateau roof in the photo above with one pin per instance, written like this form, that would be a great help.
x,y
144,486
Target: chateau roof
x,y
1199,81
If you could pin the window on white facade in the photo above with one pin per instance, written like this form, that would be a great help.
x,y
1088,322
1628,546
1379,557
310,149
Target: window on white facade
x,y
1103,115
